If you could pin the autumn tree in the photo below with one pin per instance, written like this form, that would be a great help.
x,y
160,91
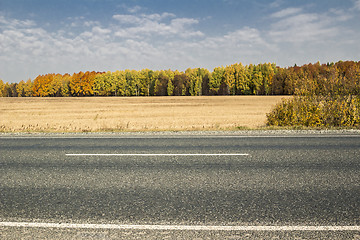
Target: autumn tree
x,y
146,79
170,75
65,85
256,79
2,87
6,92
28,88
205,75
277,88
216,79
242,80
268,72
81,84
179,83
195,81
120,83
170,88
132,85
135,82
41,86
10,90
59,87
104,84
161,84
21,89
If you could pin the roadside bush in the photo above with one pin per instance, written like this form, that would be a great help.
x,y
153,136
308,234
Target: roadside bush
x,y
317,111
325,96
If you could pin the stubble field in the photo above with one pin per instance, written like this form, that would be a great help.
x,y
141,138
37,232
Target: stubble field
x,y
134,113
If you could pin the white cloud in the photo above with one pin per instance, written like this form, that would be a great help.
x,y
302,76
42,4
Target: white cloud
x,y
158,17
246,45
242,40
139,26
357,5
245,35
303,36
14,23
286,12
295,26
134,9
91,23
141,19
276,3
101,31
340,15
123,19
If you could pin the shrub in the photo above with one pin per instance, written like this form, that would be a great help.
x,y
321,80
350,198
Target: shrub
x,y
317,111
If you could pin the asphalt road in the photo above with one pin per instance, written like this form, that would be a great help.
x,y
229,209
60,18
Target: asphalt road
x,y
291,180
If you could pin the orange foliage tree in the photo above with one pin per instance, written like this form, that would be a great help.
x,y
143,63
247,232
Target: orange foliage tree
x,y
81,84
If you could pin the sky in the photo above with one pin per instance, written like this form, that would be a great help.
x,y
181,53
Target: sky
x,y
67,36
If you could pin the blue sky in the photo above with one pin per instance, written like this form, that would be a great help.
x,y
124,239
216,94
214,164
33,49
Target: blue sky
x,y
54,36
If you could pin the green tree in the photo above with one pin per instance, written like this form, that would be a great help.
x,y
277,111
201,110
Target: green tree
x,y
230,80
241,80
130,78
144,82
268,72
120,82
105,84
195,81
216,79
170,88
256,79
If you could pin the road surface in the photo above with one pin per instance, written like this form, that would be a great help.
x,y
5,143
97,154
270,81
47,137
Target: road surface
x,y
154,186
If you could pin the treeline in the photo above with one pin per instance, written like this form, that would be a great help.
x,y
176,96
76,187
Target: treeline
x,y
325,96
235,79
341,78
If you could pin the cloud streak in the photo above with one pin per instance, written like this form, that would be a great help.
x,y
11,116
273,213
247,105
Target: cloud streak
x,y
286,12
132,26
357,5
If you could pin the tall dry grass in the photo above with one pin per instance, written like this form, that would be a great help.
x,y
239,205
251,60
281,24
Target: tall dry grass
x,y
134,113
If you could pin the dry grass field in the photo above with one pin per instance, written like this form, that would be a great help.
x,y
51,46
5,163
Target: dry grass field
x,y
134,113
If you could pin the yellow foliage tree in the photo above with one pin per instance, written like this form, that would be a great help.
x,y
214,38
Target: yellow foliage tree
x,y
2,85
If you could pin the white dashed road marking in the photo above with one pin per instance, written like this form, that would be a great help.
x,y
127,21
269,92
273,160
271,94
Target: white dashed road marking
x,y
157,154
